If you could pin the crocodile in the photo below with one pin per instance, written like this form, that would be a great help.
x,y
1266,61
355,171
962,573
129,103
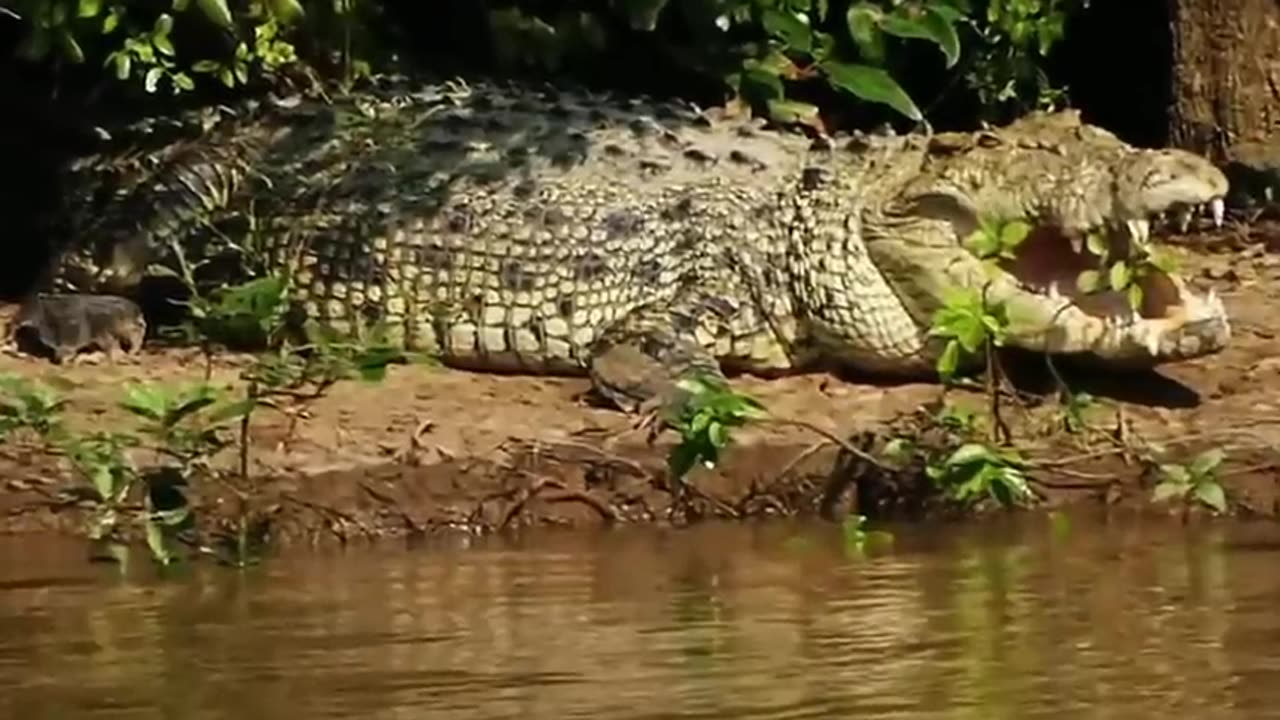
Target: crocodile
x,y
530,228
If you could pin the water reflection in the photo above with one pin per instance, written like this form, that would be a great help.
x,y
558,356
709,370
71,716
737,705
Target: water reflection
x,y
978,621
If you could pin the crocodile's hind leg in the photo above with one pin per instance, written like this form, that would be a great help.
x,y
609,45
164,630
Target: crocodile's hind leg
x,y
638,362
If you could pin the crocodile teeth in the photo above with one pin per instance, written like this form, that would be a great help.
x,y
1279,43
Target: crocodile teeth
x,y
1077,243
1139,230
1054,292
1153,342
1217,208
1184,215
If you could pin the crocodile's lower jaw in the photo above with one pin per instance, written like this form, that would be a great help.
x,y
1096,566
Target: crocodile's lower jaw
x,y
1198,326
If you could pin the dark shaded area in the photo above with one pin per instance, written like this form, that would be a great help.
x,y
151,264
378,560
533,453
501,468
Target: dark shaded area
x,y
1029,373
1116,60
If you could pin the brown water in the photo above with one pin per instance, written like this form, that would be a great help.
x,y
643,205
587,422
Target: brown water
x,y
769,621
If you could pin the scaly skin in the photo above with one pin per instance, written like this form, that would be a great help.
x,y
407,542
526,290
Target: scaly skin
x,y
548,231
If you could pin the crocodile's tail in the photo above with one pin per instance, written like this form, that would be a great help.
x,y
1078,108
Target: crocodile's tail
x,y
124,206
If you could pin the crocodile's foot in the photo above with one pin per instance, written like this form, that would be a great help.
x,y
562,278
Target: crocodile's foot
x,y
60,326
638,363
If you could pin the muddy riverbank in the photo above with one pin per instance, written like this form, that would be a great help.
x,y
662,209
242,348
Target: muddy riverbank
x,y
432,448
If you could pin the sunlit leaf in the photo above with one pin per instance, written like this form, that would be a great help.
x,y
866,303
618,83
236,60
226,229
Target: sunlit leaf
x,y
1167,491
1206,462
1211,493
217,12
287,11
789,27
949,361
1119,276
794,111
970,453
873,85
1089,281
152,78
863,21
930,26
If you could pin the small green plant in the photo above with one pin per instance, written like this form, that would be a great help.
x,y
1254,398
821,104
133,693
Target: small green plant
x,y
1123,274
25,404
972,325
947,444
976,470
1197,479
705,420
972,328
183,428
997,238
1013,41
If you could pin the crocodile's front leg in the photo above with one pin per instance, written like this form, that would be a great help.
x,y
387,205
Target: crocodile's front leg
x,y
638,361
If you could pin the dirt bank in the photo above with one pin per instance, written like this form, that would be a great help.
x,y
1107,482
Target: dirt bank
x,y
431,448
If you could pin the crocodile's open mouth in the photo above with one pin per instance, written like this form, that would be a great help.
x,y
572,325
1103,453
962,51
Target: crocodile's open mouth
x,y
1070,275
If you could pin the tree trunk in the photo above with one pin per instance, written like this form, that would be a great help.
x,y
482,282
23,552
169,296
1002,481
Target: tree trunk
x,y
1226,74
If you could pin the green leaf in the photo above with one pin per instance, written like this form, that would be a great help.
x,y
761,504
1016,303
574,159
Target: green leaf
x,y
110,22
929,26
789,28
762,84
162,26
949,361
206,66
873,85
158,543
1135,297
1096,244
70,47
949,11
163,45
1163,261
88,8
971,453
187,408
1014,232
183,81
103,480
1001,493
217,12
682,459
792,111
1119,275
1211,493
172,518
863,21
181,5
152,78
145,401
1206,462
287,11
123,65
1176,474
1089,281
1167,491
